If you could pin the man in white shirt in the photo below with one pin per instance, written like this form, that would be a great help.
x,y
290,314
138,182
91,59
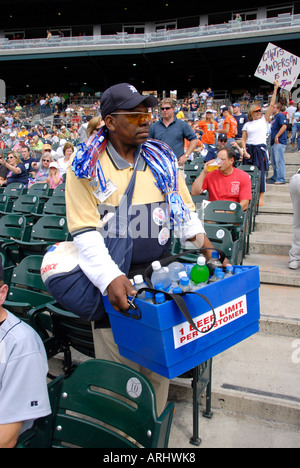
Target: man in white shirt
x,y
23,371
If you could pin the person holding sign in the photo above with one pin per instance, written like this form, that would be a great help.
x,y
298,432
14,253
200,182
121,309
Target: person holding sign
x,y
254,140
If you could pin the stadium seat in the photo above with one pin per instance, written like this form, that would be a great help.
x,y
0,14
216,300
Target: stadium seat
x,y
55,205
14,190
13,227
28,205
26,294
41,190
230,215
6,204
101,405
48,230
72,333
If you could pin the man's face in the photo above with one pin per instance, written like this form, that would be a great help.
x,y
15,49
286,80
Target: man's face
x,y
222,144
131,126
24,153
226,163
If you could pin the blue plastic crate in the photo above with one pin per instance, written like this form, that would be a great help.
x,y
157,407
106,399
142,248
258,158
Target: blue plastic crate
x,y
164,342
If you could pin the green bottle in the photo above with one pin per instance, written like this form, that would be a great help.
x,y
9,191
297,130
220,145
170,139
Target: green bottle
x,y
200,272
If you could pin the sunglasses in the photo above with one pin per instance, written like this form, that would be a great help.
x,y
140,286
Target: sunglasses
x,y
10,157
165,108
137,118
223,141
46,160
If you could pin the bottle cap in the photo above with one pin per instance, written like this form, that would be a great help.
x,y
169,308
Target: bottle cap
x,y
158,286
176,290
182,274
159,298
138,279
184,281
156,265
214,254
201,261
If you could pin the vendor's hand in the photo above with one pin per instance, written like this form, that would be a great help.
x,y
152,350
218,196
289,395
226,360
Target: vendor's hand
x,y
118,290
182,160
2,161
247,155
226,262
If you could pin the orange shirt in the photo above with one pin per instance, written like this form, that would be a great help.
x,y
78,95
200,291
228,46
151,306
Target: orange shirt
x,y
232,126
209,129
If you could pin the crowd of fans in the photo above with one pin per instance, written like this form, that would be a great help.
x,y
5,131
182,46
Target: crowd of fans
x,y
37,151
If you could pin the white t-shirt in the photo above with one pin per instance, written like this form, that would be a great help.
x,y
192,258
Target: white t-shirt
x,y
23,374
256,131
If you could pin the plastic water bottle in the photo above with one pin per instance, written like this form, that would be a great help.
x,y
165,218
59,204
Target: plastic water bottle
x,y
214,261
220,275
214,276
200,272
188,268
229,271
149,297
185,283
159,298
160,275
174,269
139,283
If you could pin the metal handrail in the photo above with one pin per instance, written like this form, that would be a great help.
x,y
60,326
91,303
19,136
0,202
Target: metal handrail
x,y
154,38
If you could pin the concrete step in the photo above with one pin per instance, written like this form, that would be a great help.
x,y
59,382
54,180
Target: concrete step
x,y
258,378
276,207
273,269
271,223
280,316
274,197
270,243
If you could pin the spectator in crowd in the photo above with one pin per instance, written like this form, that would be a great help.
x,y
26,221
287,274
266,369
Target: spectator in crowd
x,y
193,109
229,125
23,132
174,131
16,169
94,126
23,371
63,162
278,145
64,132
27,159
13,141
296,127
209,127
254,140
241,118
83,129
36,144
3,170
291,110
41,169
225,183
294,253
55,178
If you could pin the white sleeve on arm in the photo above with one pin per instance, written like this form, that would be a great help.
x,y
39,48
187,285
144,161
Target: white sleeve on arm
x,y
191,228
95,260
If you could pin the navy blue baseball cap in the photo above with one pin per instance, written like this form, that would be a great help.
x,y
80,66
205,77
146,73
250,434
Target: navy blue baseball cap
x,y
123,96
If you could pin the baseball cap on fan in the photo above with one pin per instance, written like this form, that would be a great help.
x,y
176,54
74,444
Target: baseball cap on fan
x,y
123,96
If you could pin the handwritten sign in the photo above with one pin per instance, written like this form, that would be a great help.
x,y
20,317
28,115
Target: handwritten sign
x,y
279,64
